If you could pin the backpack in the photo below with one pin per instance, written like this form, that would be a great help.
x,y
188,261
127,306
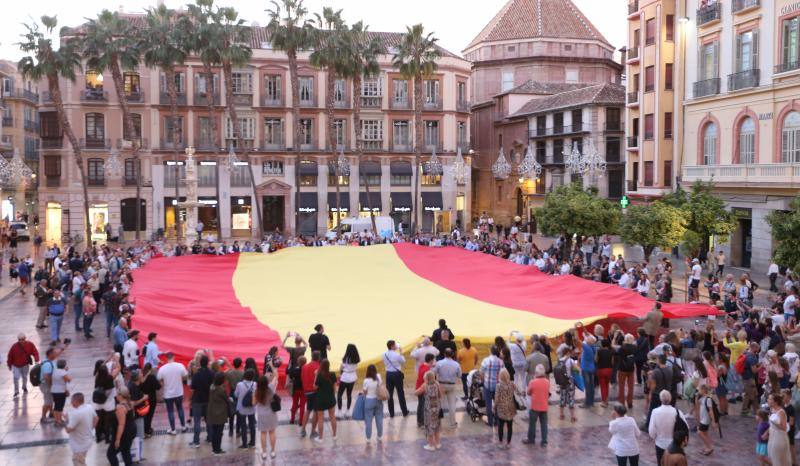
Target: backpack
x,y
739,364
35,375
714,409
680,424
247,399
628,362
560,374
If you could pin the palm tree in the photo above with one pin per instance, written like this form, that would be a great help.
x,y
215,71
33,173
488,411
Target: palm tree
x,y
361,60
289,30
416,60
165,48
45,62
327,56
235,51
110,43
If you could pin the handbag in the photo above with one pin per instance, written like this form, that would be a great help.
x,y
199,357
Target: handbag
x,y
143,408
275,404
99,396
359,408
577,379
382,393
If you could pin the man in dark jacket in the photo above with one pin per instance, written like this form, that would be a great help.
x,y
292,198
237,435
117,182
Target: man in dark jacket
x,y
201,386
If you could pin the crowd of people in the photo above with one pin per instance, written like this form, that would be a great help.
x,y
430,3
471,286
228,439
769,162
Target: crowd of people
x,y
749,357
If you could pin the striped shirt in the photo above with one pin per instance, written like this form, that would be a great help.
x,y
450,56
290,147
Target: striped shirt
x,y
490,367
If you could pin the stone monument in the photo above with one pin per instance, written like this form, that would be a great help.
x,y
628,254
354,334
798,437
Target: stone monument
x,y
191,202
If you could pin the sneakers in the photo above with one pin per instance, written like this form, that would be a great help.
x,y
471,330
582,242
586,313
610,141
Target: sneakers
x,y
314,435
219,453
429,448
303,434
263,455
185,429
317,439
194,445
16,394
380,439
172,432
272,454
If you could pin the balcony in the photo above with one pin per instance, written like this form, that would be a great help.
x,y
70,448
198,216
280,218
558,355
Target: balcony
x,y
740,6
559,130
402,146
135,97
271,101
633,54
163,98
463,106
372,101
8,122
308,147
94,95
613,126
312,102
765,174
431,147
52,143
432,104
631,186
200,98
464,146
275,144
30,96
633,142
167,144
633,98
205,145
786,67
96,181
743,80
709,14
53,181
30,125
123,143
243,100
47,98
344,103
95,144
400,104
129,180
706,88
371,145
633,8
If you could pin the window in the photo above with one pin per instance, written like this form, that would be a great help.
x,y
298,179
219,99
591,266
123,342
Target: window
x,y
508,81
648,173
52,166
667,173
343,180
790,48
668,76
558,151
708,62
49,126
401,134
400,92
461,92
205,137
461,135
400,174
710,144
308,173
746,51
670,28
650,78
180,83
273,133
169,128
272,88
431,135
247,125
747,141
272,168
96,173
668,125
371,87
132,170
370,172
306,132
340,133
372,130
131,83
170,170
306,89
137,127
242,82
240,174
613,149
94,80
649,122
541,151
577,120
339,91
572,75
558,123
431,92
95,128
200,83
613,119
790,138
636,83
650,32
207,173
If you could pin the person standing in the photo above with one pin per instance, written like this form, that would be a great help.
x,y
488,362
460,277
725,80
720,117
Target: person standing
x,y
624,437
245,408
89,309
81,419
393,360
504,407
373,407
325,399
42,294
519,363
307,375
348,377
47,368
217,413
424,348
151,352
56,306
751,368
201,386
150,387
467,358
58,389
123,430
778,448
429,362
588,368
772,273
661,426
433,396
318,341
490,367
448,373
130,350
19,360
721,259
172,376
538,394
266,417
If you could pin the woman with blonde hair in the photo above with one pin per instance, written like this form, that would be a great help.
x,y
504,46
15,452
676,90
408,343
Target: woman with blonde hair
x,y
504,407
433,401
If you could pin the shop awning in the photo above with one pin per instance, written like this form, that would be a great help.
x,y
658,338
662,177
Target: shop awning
x,y
401,202
344,200
431,201
308,203
308,168
369,168
374,201
400,168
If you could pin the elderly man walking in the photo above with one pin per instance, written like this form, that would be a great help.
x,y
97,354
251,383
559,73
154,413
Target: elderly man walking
x,y
19,360
662,423
449,374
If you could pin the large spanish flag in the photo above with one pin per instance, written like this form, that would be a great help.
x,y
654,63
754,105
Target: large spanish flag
x,y
241,305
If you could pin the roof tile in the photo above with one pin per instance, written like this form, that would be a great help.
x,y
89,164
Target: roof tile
x,y
607,93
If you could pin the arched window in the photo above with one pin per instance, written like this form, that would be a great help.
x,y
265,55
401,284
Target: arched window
x,y
790,138
710,144
747,141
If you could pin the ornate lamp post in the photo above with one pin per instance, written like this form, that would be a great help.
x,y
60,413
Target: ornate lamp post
x,y
529,167
501,168
433,166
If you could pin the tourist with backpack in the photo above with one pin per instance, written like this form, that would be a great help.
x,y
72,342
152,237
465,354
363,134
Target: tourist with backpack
x,y
664,422
245,409
41,375
562,374
708,417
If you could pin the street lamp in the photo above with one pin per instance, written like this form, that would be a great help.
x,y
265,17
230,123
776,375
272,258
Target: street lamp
x,y
342,165
529,167
433,166
501,168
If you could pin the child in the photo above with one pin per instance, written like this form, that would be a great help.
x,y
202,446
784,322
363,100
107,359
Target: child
x,y
706,418
762,434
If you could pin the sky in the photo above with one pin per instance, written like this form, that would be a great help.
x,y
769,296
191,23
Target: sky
x,y
454,22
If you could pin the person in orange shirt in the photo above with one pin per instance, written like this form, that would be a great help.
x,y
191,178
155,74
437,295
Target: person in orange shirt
x,y
421,370
539,394
467,357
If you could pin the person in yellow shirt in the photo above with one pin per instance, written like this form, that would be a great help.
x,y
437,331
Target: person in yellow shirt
x,y
737,346
468,358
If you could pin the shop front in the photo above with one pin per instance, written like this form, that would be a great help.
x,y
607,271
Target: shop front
x,y
338,208
53,219
207,213
307,214
367,203
401,210
241,216
431,209
170,208
98,215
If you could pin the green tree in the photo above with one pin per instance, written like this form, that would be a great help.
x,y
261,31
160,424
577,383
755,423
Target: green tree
x,y
43,61
653,225
416,58
110,43
570,210
786,232
166,46
289,29
705,216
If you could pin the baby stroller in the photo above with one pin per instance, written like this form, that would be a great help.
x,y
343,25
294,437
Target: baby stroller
x,y
476,405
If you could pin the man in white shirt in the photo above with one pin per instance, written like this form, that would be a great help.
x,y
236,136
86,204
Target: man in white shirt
x,y
81,419
151,352
694,284
624,280
130,350
423,349
172,375
772,273
662,424
790,304
393,360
